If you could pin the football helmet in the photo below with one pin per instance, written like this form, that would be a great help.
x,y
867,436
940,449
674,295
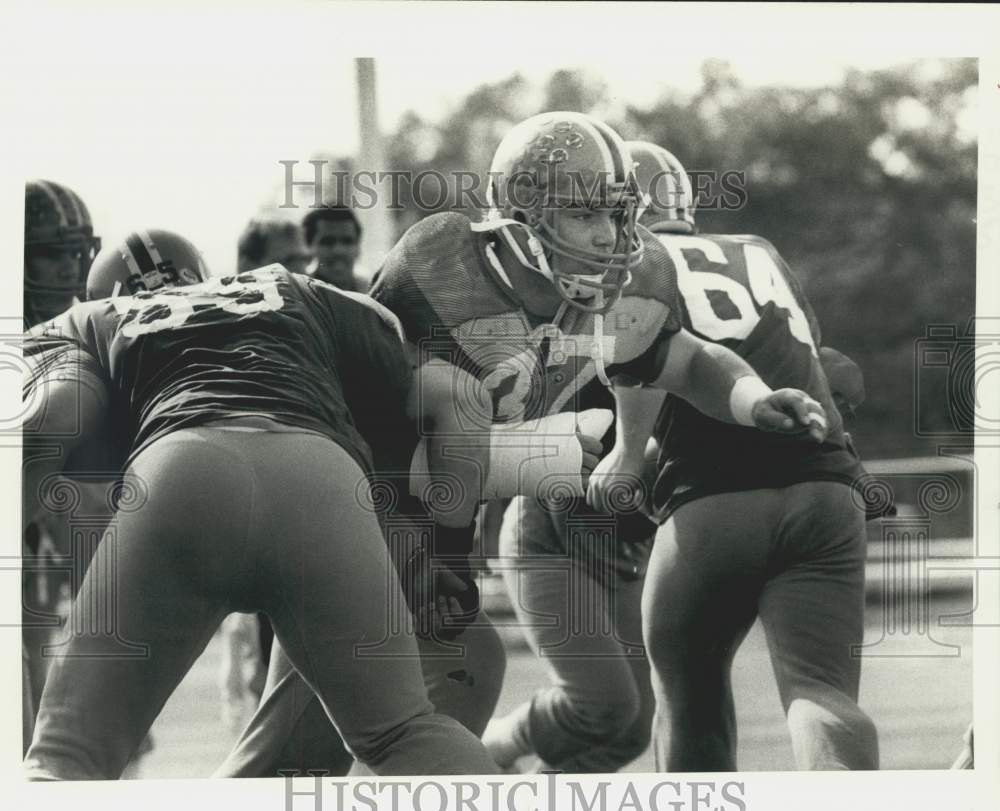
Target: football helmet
x,y
57,224
667,197
145,260
559,159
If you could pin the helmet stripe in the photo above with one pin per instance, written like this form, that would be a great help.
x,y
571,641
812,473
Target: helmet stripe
x,y
80,214
139,253
615,173
154,252
133,266
49,189
68,211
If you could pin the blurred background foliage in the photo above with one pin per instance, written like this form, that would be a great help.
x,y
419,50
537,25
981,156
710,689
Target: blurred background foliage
x,y
867,188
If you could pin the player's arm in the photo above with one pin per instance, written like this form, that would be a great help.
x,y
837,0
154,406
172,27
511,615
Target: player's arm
x,y
722,385
454,414
451,410
66,398
620,471
462,444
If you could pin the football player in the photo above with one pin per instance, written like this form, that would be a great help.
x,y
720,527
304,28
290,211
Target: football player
x,y
559,290
752,524
225,388
143,260
59,246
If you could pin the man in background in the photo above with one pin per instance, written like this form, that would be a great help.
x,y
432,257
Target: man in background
x,y
333,235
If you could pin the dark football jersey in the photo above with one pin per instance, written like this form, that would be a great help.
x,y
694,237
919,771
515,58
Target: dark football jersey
x,y
737,291
453,304
264,343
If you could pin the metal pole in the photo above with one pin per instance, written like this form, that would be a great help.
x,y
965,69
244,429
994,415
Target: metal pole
x,y
379,232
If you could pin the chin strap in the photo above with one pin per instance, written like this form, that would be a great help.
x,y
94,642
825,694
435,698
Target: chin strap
x,y
597,350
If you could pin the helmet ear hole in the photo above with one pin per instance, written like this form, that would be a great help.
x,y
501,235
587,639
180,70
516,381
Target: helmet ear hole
x,y
529,218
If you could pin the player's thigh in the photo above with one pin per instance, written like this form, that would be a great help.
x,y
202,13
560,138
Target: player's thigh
x,y
147,606
334,599
567,616
177,547
813,608
536,569
705,571
627,621
464,677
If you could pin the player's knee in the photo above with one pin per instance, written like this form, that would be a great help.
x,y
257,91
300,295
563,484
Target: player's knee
x,y
830,731
373,746
665,646
865,736
46,762
605,716
632,743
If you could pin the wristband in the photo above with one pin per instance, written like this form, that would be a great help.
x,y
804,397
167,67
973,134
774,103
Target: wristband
x,y
747,391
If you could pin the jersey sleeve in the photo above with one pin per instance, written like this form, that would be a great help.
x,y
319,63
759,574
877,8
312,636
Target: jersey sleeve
x,y
66,387
651,309
646,368
422,279
67,349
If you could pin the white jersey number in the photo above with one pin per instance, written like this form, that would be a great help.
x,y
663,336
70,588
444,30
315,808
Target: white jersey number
x,y
166,309
766,284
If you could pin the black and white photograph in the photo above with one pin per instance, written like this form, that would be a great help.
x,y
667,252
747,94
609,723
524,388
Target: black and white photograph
x,y
501,406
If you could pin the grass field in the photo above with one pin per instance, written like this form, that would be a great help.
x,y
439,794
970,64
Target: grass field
x,y
921,705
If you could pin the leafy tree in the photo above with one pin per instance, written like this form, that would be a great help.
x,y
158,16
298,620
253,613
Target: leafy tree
x,y
868,188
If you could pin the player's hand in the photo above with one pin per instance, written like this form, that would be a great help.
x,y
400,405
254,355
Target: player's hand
x,y
790,411
456,600
443,597
591,456
614,485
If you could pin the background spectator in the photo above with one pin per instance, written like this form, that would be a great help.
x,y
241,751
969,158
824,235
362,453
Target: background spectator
x,y
333,235
266,241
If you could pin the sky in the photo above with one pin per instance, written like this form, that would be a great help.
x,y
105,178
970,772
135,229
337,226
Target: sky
x,y
177,119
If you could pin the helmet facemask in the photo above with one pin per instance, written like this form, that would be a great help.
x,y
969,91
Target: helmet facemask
x,y
82,247
560,160
591,292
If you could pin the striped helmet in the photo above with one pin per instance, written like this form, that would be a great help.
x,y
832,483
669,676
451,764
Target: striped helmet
x,y
145,260
668,200
560,159
55,215
56,223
